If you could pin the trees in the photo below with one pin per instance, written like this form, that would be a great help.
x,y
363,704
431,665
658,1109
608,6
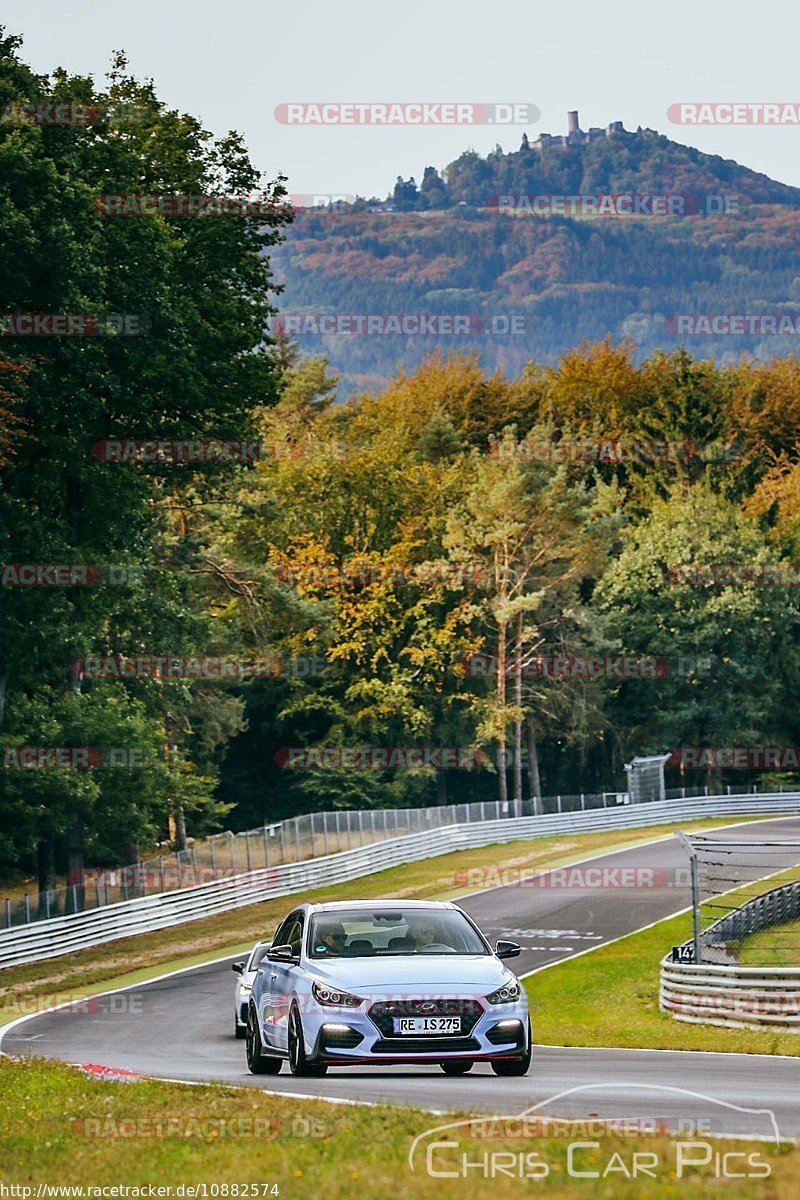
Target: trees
x,y
199,288
539,534
746,634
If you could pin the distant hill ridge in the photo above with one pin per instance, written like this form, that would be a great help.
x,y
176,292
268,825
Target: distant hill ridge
x,y
595,161
456,244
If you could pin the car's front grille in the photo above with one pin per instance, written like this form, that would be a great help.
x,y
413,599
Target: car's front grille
x,y
425,1045
383,1013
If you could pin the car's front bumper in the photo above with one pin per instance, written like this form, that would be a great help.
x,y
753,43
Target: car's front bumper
x,y
348,1036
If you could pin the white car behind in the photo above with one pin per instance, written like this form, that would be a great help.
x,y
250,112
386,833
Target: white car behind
x,y
246,970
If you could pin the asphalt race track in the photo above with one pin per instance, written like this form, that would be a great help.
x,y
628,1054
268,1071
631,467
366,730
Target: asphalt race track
x,y
180,1027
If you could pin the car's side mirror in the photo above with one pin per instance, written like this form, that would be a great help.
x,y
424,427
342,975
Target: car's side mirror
x,y
506,949
281,954
238,967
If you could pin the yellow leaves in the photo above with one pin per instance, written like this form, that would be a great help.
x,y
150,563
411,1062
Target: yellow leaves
x,y
780,487
765,403
596,382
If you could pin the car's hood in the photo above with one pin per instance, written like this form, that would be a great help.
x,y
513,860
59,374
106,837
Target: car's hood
x,y
431,973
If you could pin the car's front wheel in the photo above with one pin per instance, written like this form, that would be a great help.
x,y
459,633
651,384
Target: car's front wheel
x,y
298,1061
239,1031
257,1063
514,1066
457,1066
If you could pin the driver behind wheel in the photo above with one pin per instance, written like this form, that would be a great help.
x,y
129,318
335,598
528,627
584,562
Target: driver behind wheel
x,y
421,933
332,938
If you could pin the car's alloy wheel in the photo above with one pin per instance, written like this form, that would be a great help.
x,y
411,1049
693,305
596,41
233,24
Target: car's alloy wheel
x,y
457,1066
298,1062
515,1066
257,1063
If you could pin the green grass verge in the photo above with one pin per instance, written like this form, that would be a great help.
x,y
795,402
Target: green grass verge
x,y
775,947
60,1128
609,997
133,960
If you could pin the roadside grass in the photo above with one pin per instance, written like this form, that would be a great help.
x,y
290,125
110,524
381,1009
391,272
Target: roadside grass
x,y
775,947
61,1128
609,997
133,960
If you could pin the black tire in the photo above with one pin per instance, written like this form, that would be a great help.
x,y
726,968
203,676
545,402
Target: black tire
x,y
239,1031
257,1064
298,1062
457,1066
514,1066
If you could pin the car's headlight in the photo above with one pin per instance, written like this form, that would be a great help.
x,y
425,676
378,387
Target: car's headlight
x,y
324,994
506,994
246,988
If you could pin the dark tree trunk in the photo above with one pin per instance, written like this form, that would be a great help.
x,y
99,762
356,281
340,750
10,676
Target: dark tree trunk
x,y
441,789
177,828
501,700
46,872
518,723
75,865
534,782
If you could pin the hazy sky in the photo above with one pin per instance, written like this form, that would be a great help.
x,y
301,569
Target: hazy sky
x,y
230,64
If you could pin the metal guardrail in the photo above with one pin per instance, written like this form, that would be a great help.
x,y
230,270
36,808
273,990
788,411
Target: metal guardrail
x,y
730,994
296,839
776,907
78,931
742,997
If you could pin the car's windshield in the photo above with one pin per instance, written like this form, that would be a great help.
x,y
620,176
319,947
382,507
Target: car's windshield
x,y
364,933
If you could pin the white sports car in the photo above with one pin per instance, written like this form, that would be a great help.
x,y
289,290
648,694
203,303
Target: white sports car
x,y
246,970
372,981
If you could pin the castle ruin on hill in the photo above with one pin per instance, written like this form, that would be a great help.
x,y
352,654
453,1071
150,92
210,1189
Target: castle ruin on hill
x,y
575,136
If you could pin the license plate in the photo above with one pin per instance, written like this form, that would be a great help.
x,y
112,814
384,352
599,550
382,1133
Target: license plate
x,y
427,1024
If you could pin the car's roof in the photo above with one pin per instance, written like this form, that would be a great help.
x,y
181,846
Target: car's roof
x,y
379,903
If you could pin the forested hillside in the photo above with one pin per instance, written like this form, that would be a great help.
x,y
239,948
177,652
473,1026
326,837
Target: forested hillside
x,y
452,244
